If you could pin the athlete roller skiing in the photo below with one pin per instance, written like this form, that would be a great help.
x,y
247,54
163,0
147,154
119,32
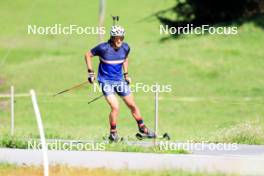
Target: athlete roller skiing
x,y
113,79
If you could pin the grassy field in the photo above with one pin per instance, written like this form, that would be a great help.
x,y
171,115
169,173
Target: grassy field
x,y
13,170
217,81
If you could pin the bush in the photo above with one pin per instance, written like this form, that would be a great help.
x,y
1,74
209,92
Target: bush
x,y
245,133
201,12
210,12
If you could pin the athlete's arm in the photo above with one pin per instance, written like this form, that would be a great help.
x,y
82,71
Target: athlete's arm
x,y
88,59
125,66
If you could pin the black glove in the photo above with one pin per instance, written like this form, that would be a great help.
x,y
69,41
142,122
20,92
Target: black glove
x,y
91,76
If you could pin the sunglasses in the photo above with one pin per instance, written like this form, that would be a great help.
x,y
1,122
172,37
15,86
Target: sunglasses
x,y
115,38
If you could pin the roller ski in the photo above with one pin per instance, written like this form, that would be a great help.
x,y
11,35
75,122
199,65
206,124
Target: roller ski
x,y
146,133
113,138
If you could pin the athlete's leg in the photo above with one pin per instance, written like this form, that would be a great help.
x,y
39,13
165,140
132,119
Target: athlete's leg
x,y
130,102
113,102
108,91
123,90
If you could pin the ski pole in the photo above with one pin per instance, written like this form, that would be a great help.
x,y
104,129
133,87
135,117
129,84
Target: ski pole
x,y
95,99
74,87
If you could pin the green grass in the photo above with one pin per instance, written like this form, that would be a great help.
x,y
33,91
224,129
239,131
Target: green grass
x,y
154,149
221,70
8,141
244,133
13,170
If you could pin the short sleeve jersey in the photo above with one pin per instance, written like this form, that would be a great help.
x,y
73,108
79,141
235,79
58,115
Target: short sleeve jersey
x,y
111,61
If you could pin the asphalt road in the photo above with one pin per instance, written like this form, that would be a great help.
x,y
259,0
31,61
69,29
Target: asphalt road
x,y
245,160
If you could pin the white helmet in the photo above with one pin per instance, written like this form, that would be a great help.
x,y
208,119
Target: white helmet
x,y
117,31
